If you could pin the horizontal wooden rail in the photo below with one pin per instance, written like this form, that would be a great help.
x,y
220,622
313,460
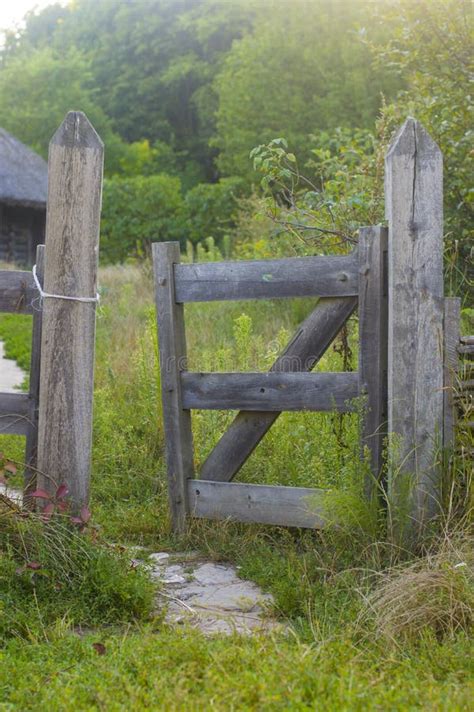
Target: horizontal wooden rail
x,y
334,276
17,291
14,413
271,391
466,347
264,504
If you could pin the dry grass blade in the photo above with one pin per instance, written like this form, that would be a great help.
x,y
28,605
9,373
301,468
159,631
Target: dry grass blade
x,y
434,593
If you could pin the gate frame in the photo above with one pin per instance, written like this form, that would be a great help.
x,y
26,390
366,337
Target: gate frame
x,y
409,338
341,283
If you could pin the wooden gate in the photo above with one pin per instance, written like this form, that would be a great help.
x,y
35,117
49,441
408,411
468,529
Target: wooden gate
x,y
408,342
343,284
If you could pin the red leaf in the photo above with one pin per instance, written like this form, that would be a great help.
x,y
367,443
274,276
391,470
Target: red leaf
x,y
77,520
3,480
10,467
48,511
34,565
99,648
62,491
85,514
62,506
42,494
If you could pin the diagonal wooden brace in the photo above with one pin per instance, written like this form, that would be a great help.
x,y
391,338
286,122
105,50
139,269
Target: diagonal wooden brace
x,y
303,352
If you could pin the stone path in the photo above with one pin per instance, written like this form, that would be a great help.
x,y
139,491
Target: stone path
x,y
11,375
209,596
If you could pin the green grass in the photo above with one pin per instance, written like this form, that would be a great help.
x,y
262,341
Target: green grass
x,y
181,670
319,580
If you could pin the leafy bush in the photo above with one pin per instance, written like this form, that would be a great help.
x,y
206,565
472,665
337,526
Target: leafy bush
x,y
211,208
50,571
137,211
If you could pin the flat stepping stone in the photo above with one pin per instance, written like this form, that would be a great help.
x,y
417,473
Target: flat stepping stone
x,y
210,597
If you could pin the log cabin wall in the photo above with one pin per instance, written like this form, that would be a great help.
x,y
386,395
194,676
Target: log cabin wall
x,y
21,231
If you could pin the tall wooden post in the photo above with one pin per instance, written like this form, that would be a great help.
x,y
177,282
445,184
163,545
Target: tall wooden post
x,y
67,345
414,210
373,325
172,347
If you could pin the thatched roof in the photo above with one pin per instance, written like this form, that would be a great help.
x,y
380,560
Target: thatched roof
x,y
23,174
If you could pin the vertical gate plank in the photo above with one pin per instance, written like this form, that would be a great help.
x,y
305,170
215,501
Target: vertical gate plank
x,y
31,450
67,345
373,326
452,317
414,210
172,347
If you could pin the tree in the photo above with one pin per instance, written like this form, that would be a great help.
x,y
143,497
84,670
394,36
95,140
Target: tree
x,y
39,87
304,68
431,47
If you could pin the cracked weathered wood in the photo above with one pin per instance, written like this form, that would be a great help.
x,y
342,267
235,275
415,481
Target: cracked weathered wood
x,y
264,504
373,325
172,347
271,391
328,276
302,353
414,210
67,345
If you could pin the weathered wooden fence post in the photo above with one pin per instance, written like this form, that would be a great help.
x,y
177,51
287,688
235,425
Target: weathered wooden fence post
x,y
70,270
172,346
373,325
414,210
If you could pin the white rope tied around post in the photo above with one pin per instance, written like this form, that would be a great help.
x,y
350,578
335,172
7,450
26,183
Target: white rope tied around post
x,y
46,295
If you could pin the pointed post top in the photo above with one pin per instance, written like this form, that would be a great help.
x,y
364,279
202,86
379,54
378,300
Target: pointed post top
x,y
76,131
412,139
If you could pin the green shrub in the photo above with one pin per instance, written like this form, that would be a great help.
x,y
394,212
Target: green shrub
x,y
211,208
50,571
138,211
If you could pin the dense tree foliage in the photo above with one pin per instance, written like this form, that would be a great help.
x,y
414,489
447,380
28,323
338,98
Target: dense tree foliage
x,y
170,70
181,91
298,72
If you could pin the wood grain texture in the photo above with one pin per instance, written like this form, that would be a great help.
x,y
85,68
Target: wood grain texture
x,y
31,450
308,344
172,347
267,279
14,413
466,347
286,506
17,291
67,345
452,321
373,334
272,391
414,210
